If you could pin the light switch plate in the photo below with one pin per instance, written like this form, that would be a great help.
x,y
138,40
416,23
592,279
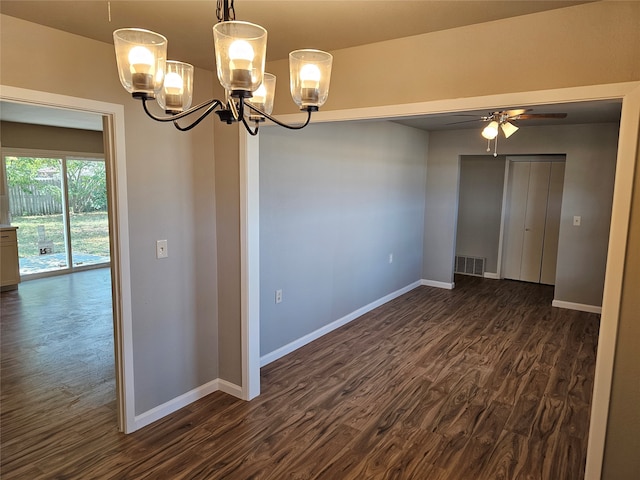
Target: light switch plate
x,y
161,249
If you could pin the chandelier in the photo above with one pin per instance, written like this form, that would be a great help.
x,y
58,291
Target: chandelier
x,y
240,52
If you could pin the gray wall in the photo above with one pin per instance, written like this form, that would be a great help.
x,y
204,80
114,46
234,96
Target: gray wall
x,y
335,201
588,189
480,207
43,137
227,214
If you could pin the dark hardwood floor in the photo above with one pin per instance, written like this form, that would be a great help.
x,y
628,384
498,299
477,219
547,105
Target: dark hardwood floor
x,y
483,382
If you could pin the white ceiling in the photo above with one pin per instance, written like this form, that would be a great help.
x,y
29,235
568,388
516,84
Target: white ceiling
x,y
53,117
326,24
604,111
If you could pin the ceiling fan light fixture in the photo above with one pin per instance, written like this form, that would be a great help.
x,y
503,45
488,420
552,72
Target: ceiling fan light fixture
x,y
508,129
490,131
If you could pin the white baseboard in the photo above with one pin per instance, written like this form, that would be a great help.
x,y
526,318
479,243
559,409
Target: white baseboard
x,y
433,283
310,337
185,399
230,388
576,306
493,276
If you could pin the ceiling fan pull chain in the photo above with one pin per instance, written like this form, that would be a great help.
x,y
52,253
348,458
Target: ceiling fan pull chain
x,y
488,144
495,152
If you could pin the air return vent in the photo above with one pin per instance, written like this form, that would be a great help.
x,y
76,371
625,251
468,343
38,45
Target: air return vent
x,y
470,265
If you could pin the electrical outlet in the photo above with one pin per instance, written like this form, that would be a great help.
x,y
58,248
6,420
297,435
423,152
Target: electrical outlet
x,y
279,296
161,249
577,220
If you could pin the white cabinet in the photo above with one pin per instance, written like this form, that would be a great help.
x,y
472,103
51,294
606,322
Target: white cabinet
x,y
9,266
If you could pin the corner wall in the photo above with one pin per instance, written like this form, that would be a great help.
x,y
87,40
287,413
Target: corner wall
x,y
480,208
335,201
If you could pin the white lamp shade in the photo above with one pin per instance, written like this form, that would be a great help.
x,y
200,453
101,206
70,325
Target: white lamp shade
x,y
141,57
263,97
240,55
490,131
508,129
310,74
176,93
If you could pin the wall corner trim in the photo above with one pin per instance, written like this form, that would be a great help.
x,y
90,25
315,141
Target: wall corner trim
x,y
185,399
433,283
576,306
310,337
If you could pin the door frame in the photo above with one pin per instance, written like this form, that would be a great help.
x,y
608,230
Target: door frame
x,y
115,161
628,93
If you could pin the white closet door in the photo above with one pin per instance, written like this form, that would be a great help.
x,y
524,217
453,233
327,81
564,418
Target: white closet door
x,y
518,186
534,222
552,226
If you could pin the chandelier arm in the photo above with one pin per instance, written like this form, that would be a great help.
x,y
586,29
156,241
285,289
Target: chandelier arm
x,y
204,115
212,104
248,128
278,122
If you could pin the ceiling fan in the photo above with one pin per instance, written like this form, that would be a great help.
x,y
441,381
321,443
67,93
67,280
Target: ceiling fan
x,y
503,120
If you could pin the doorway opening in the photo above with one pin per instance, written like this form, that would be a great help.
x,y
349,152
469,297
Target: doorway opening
x,y
110,121
509,216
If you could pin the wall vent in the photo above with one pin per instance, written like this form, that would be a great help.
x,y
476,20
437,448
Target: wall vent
x,y
470,266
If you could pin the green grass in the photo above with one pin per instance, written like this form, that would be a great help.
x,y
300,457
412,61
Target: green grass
x,y
89,233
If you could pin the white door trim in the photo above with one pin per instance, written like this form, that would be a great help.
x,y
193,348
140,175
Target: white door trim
x,y
629,93
250,262
121,278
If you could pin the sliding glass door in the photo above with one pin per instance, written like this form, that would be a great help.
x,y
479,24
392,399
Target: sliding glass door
x,y
87,210
59,204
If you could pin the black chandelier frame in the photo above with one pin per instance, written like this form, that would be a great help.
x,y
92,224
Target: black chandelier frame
x,y
229,111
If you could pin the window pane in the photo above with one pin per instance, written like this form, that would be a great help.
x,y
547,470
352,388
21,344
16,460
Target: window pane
x,y
87,185
35,207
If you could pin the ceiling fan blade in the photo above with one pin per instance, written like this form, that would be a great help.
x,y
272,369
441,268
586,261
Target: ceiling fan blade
x,y
530,116
467,121
515,113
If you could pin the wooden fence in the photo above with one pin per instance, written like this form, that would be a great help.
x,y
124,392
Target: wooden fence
x,y
39,203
